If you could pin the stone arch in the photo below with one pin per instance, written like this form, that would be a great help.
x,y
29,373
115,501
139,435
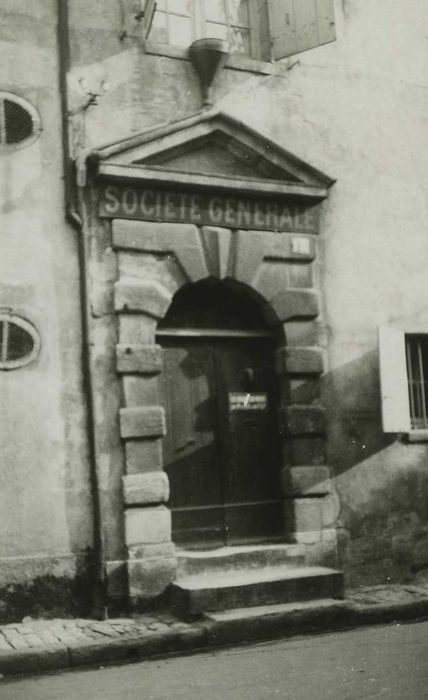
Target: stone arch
x,y
155,261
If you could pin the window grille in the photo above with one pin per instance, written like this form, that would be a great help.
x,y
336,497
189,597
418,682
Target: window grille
x,y
417,376
19,342
19,124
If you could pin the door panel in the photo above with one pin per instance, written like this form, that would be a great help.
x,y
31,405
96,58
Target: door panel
x,y
191,451
220,451
253,505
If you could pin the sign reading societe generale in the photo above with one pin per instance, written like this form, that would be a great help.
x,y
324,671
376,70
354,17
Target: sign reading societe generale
x,y
151,204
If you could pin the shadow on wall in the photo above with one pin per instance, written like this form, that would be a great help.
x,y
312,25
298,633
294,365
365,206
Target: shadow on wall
x,y
382,482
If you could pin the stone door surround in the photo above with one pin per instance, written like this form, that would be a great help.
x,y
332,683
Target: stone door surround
x,y
154,260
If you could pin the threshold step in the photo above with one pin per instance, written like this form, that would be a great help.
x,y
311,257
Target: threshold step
x,y
238,557
198,594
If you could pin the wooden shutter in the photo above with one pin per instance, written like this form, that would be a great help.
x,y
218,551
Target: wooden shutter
x,y
149,13
393,381
298,25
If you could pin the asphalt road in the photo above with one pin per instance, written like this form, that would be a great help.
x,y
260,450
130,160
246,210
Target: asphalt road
x,y
378,662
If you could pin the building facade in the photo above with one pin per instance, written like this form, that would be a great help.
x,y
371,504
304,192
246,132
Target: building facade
x,y
212,293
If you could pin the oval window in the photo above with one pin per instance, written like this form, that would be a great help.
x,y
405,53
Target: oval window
x,y
19,341
19,122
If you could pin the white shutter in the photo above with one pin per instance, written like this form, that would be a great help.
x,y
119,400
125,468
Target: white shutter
x,y
298,25
149,13
393,381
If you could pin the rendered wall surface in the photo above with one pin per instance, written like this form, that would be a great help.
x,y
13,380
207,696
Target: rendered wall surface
x,y
45,501
355,108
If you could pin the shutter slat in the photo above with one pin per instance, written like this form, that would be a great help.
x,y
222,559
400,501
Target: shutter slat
x,y
283,28
393,381
326,23
149,13
305,13
298,25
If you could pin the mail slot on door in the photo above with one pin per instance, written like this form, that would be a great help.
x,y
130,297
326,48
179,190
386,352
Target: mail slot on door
x,y
247,402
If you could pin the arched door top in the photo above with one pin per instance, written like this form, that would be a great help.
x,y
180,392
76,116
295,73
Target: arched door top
x,y
211,307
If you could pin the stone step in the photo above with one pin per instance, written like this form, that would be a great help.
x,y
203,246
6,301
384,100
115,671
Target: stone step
x,y
226,559
198,594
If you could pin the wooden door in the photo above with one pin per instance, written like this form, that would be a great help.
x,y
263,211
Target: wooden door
x,y
250,459
221,451
191,447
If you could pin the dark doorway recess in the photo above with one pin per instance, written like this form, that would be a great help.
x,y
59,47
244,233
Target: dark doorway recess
x,y
221,450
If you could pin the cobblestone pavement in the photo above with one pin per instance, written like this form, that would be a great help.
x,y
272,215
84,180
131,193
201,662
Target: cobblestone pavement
x,y
40,645
44,633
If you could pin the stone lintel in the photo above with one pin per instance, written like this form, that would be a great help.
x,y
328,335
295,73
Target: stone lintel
x,y
303,420
142,489
140,422
299,360
296,303
151,525
142,296
138,359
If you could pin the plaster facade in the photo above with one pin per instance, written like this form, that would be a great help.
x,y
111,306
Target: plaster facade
x,y
46,521
355,109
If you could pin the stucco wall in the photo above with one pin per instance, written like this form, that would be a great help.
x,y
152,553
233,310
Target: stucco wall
x,y
45,501
356,109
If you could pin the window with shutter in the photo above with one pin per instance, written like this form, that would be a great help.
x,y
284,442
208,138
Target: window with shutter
x,y
403,362
261,29
393,381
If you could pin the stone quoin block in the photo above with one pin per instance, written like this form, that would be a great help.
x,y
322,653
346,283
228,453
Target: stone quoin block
x,y
145,296
148,421
304,451
303,420
149,578
295,360
180,239
137,329
142,489
301,333
140,390
304,515
138,359
151,525
307,481
143,455
296,303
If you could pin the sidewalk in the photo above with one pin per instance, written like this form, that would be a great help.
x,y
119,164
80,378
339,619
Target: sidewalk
x,y
36,646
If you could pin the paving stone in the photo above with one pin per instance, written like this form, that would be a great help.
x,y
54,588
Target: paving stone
x,y
67,638
48,637
34,640
3,643
17,641
106,630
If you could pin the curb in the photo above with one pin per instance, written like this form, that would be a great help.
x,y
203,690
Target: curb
x,y
209,633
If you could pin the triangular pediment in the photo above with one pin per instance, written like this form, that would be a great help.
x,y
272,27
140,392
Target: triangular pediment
x,y
210,144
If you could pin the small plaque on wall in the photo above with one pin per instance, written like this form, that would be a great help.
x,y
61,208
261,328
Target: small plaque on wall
x,y
247,402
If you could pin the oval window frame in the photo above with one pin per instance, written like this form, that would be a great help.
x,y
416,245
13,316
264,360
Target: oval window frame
x,y
37,127
6,365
